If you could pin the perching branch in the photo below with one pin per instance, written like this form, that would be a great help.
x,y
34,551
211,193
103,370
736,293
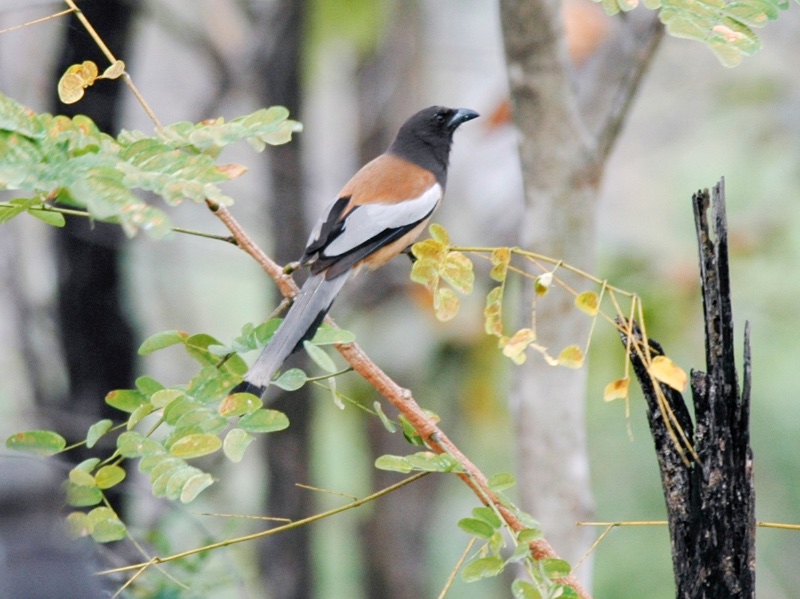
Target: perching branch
x,y
400,398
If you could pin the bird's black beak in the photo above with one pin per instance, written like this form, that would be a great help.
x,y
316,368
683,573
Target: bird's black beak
x,y
462,115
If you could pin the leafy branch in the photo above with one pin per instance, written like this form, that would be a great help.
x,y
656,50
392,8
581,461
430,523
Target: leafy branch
x,y
724,26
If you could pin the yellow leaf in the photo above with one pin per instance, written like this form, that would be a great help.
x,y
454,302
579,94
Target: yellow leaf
x,y
501,256
518,343
666,371
457,270
571,357
425,273
439,233
445,303
616,389
87,70
70,88
429,249
500,260
114,71
542,283
588,302
76,79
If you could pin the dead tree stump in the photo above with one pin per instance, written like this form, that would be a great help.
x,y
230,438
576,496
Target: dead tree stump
x,y
709,490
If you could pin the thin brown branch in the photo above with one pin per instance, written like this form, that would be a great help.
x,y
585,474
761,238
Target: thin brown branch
x,y
399,397
113,59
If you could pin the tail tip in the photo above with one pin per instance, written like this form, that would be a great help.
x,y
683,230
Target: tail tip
x,y
248,387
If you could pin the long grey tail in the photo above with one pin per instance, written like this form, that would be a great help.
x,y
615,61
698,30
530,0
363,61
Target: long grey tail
x,y
300,323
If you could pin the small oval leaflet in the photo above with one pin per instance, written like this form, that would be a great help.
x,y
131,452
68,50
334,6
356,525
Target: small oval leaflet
x,y
235,444
588,302
666,371
109,476
43,443
571,357
196,445
616,389
484,567
264,421
476,528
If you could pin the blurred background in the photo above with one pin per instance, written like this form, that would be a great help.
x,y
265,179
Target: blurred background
x,y
351,72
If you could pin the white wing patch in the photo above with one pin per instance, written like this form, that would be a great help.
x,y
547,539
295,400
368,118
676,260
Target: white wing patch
x,y
369,220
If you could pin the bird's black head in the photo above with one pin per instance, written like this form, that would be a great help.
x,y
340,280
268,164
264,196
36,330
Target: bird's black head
x,y
425,138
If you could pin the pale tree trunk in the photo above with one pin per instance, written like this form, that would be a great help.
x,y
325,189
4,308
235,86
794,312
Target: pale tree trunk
x,y
563,147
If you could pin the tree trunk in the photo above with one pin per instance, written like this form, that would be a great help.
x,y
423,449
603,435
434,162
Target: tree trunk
x,y
710,495
563,146
285,559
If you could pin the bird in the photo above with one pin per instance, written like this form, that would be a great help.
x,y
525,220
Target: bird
x,y
378,214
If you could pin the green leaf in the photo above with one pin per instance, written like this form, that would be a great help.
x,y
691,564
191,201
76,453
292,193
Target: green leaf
x,y
393,463
522,589
484,567
161,340
488,515
148,385
328,335
50,217
555,568
135,445
428,461
126,400
78,524
194,446
211,384
109,530
96,431
81,496
264,421
194,486
88,465
476,528
109,476
291,380
239,404
164,397
139,413
528,535
177,408
105,525
320,357
235,444
173,483
9,212
502,481
409,432
387,423
81,478
43,443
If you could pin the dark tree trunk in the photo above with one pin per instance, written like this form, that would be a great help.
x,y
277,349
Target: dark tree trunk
x,y
97,340
710,501
286,558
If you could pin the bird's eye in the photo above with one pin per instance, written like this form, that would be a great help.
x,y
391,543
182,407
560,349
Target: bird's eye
x,y
440,118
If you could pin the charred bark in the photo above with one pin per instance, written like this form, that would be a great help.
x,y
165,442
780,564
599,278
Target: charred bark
x,y
708,486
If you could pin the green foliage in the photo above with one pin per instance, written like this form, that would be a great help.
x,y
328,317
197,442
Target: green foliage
x,y
722,25
69,160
